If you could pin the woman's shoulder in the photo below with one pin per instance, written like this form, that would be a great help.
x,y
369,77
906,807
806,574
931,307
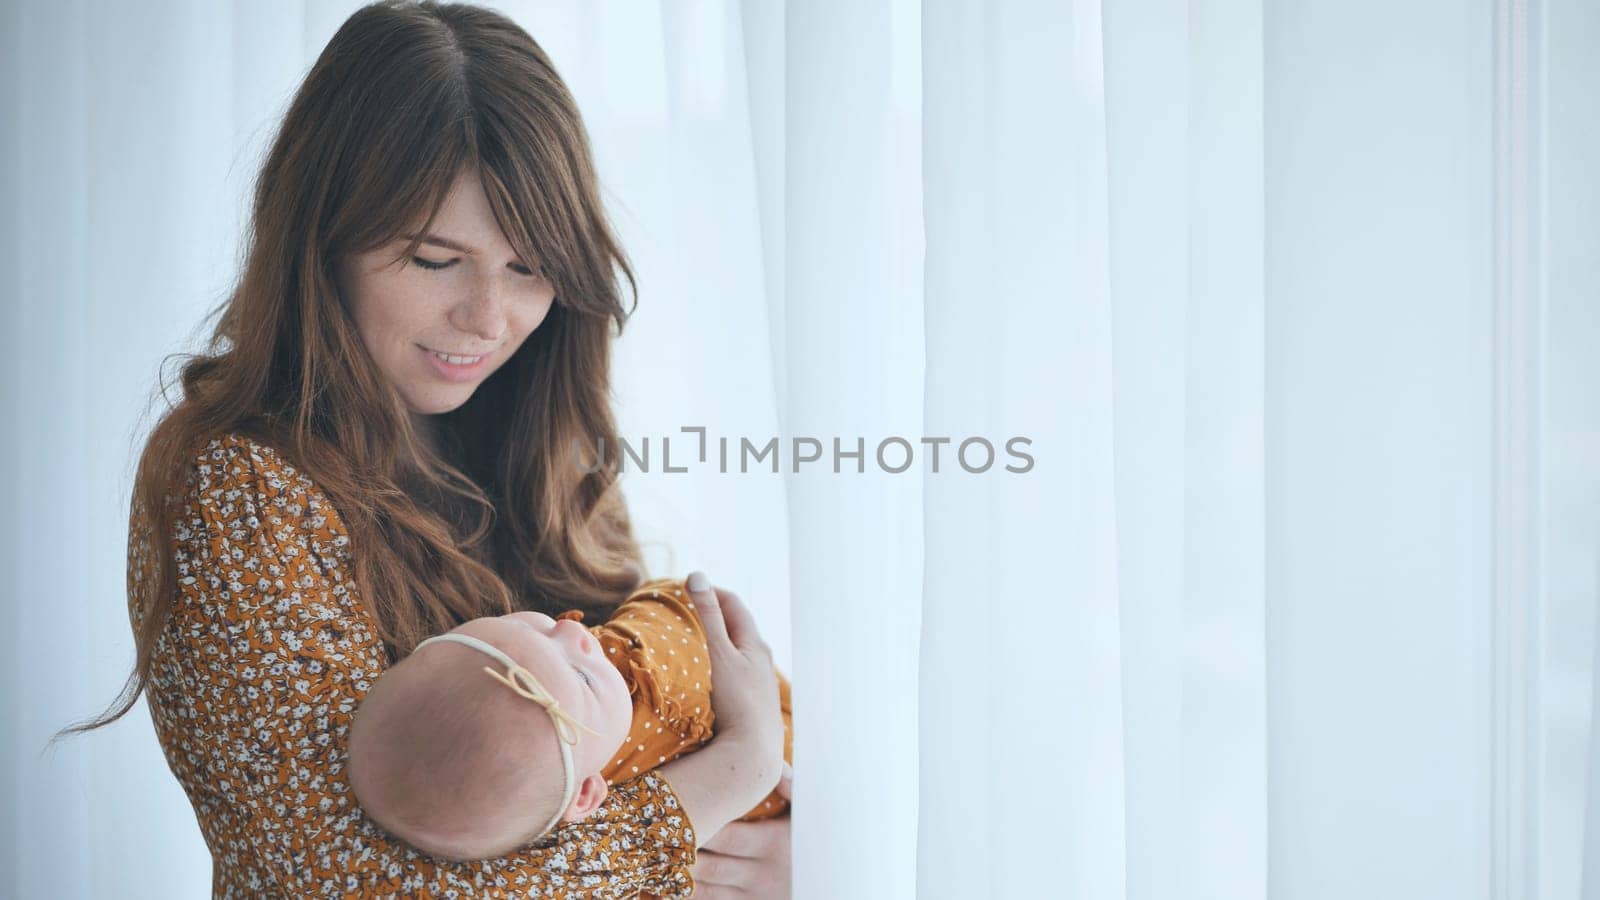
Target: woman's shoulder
x,y
245,483
237,459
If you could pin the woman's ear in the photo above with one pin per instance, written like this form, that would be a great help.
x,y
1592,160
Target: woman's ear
x,y
591,793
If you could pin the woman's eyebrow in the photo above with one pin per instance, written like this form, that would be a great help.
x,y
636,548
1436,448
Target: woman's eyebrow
x,y
438,241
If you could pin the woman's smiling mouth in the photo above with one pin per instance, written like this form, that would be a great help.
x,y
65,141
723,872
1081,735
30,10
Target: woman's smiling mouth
x,y
453,367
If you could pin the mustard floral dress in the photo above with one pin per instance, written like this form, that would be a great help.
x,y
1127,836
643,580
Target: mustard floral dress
x,y
254,683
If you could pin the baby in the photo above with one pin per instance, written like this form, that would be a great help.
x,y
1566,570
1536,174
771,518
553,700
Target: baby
x,y
451,752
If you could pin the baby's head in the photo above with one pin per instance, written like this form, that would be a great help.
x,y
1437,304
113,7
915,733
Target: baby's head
x,y
461,764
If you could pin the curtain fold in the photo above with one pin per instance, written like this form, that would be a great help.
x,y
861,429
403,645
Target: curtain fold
x,y
1225,829
851,334
1022,692
1564,35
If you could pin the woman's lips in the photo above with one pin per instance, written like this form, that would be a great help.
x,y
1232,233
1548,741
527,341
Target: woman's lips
x,y
453,372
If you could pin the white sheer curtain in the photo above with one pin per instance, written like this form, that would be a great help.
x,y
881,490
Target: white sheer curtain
x,y
1296,303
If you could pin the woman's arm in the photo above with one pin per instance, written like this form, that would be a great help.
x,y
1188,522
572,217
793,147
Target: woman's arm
x,y
256,679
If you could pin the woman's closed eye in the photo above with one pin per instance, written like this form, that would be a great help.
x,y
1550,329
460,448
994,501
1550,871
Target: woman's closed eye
x,y
433,265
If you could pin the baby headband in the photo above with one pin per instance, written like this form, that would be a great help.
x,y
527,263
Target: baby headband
x,y
524,683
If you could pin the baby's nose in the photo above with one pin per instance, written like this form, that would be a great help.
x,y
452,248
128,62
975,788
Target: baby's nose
x,y
579,635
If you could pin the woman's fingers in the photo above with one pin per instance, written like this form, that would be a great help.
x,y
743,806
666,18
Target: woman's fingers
x,y
709,606
726,870
751,840
749,859
728,622
749,877
741,625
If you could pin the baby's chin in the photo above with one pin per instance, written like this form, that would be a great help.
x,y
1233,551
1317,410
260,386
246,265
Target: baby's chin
x,y
621,709
592,759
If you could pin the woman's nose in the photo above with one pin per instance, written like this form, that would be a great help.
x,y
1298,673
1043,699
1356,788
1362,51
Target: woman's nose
x,y
483,314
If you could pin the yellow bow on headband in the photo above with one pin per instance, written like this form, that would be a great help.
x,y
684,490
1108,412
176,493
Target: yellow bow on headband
x,y
533,690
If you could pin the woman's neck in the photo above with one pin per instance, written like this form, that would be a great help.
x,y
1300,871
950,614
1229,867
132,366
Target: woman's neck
x,y
429,431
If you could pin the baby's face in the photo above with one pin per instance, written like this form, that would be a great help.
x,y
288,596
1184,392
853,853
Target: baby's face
x,y
570,664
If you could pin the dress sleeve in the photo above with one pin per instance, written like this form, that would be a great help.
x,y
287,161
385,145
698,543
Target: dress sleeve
x,y
257,676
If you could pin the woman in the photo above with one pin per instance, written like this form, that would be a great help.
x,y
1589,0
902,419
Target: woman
x,y
378,447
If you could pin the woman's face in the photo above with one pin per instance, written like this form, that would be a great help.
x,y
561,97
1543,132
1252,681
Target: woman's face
x,y
465,294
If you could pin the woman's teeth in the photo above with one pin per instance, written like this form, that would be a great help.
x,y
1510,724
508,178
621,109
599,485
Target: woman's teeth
x,y
457,360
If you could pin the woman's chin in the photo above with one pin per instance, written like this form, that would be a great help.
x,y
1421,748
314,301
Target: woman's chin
x,y
434,404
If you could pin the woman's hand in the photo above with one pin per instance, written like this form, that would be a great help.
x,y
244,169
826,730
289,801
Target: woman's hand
x,y
744,685
744,760
747,859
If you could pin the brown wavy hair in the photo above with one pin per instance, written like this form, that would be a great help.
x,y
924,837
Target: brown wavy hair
x,y
493,517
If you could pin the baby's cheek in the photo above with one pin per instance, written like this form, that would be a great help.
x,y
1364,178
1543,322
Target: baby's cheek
x,y
622,714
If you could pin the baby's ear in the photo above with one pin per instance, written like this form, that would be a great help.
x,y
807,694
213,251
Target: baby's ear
x,y
591,793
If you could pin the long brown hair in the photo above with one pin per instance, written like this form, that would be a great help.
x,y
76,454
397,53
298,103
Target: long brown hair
x,y
496,516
